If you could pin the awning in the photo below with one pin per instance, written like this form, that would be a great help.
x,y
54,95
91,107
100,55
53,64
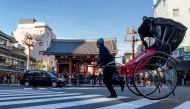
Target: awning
x,y
8,70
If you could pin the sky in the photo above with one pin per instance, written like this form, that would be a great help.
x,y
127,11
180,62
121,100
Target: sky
x,y
81,19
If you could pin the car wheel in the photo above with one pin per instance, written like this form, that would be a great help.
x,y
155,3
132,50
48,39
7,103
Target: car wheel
x,y
27,84
65,83
60,86
54,84
34,85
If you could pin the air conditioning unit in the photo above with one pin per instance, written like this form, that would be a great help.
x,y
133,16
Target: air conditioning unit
x,y
187,49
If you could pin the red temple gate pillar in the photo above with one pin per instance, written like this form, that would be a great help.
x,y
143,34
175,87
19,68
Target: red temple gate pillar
x,y
58,64
70,64
93,68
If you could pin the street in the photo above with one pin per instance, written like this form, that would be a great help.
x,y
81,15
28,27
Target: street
x,y
19,97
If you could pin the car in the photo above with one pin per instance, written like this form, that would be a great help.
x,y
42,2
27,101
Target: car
x,y
41,78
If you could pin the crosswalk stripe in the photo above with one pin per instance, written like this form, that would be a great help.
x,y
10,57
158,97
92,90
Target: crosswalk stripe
x,y
183,106
73,103
38,96
28,89
17,90
131,105
55,88
42,88
44,100
20,91
20,94
80,88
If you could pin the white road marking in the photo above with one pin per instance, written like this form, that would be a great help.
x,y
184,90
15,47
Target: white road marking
x,y
73,103
20,94
81,88
183,106
44,100
38,96
131,105
42,88
55,88
28,89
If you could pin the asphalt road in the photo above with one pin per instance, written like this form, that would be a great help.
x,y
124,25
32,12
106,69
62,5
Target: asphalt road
x,y
19,97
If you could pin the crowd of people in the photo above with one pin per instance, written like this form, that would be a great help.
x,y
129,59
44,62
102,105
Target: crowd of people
x,y
183,79
77,78
9,79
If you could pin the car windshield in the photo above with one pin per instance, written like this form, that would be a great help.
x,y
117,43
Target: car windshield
x,y
50,74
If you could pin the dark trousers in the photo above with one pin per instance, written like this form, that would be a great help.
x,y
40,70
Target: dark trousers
x,y
107,75
184,81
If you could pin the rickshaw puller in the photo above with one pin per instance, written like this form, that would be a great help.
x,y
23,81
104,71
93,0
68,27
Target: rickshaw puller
x,y
106,59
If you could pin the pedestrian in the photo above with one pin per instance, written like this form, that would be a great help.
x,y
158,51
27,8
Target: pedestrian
x,y
5,79
106,59
184,78
180,79
18,79
8,79
1,79
93,77
100,76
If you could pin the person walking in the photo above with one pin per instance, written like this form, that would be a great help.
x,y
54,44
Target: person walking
x,y
8,79
100,76
184,78
106,59
93,77
1,79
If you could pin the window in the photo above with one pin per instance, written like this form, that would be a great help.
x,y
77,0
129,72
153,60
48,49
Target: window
x,y
50,37
35,74
175,12
47,43
38,33
23,33
27,73
44,74
47,35
164,2
2,60
22,63
40,52
40,43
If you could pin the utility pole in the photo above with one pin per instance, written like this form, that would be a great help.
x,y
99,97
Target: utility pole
x,y
29,41
133,32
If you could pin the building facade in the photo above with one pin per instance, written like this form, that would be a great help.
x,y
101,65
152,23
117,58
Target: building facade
x,y
44,34
178,10
12,59
75,55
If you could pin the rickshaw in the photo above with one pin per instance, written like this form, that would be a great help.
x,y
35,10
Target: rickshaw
x,y
155,66
153,71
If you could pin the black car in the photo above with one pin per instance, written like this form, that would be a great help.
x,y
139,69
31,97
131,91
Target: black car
x,y
41,78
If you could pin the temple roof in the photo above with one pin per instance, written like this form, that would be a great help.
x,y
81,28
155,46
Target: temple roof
x,y
79,46
10,38
18,51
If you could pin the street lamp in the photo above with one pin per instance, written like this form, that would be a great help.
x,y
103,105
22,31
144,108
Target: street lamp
x,y
29,41
133,32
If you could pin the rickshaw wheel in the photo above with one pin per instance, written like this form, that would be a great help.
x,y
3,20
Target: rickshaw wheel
x,y
158,81
130,85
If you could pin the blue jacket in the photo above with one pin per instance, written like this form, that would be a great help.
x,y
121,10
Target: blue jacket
x,y
104,56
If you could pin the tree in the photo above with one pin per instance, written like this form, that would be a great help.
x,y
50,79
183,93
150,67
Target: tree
x,y
38,65
42,65
48,66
